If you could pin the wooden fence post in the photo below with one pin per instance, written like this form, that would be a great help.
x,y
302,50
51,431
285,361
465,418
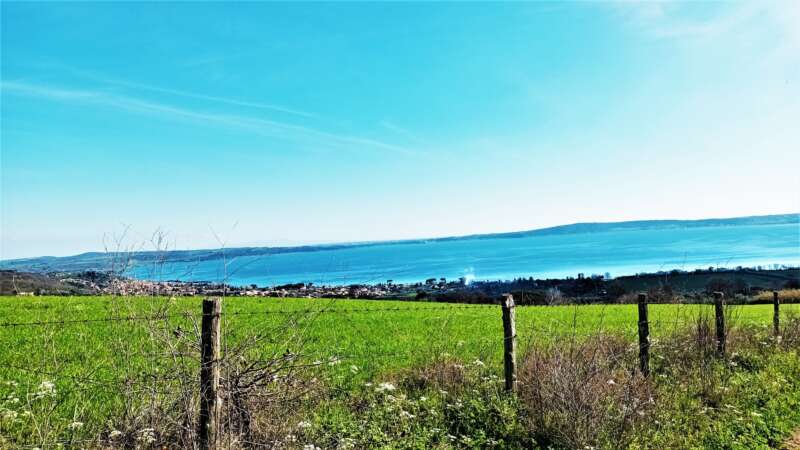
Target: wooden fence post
x,y
210,403
776,314
719,311
644,336
509,342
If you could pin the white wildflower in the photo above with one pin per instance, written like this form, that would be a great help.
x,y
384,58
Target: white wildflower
x,y
611,382
147,435
406,415
479,363
8,414
75,425
304,424
347,443
114,434
385,387
46,389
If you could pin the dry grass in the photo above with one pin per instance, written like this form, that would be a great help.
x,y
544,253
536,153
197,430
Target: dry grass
x,y
793,443
784,295
447,374
583,393
790,331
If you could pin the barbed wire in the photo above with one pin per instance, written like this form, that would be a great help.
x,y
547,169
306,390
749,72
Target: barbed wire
x,y
80,321
185,315
248,313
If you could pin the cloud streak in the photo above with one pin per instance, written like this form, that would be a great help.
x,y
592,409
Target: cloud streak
x,y
264,127
187,94
662,20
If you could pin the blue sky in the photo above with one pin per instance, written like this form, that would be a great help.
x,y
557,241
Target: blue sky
x,y
276,124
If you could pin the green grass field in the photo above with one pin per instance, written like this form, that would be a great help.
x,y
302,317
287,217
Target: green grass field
x,y
365,333
368,334
356,341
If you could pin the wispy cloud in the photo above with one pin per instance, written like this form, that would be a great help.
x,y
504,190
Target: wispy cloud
x,y
181,93
665,19
265,127
401,131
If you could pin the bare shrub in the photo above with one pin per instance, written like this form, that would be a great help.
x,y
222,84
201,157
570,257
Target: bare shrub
x,y
790,331
583,393
265,389
628,298
266,396
446,374
664,293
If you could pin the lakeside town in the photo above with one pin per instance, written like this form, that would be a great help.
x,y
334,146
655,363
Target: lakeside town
x,y
740,281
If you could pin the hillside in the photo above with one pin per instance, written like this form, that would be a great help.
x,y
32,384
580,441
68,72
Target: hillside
x,y
103,261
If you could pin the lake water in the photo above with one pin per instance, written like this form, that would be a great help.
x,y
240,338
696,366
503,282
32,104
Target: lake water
x,y
615,252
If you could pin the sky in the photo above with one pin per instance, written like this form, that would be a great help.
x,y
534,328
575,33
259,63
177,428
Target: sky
x,y
286,124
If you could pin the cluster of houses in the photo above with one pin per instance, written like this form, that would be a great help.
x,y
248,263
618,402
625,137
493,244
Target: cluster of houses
x,y
530,290
104,283
389,289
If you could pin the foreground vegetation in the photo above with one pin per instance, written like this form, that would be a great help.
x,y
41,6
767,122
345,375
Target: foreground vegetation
x,y
367,374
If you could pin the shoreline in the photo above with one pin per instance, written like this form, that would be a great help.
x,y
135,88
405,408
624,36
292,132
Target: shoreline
x,y
736,281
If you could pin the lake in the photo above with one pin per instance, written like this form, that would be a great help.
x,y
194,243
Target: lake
x,y
615,252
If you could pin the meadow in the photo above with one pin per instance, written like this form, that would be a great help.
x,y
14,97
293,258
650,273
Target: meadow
x,y
378,336
70,366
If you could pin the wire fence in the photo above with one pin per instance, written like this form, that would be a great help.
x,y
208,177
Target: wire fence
x,y
109,378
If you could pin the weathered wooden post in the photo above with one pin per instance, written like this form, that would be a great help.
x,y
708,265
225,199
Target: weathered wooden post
x,y
719,311
776,313
509,342
210,403
644,336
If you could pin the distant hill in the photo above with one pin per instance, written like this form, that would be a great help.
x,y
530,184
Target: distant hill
x,y
13,283
599,227
103,261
